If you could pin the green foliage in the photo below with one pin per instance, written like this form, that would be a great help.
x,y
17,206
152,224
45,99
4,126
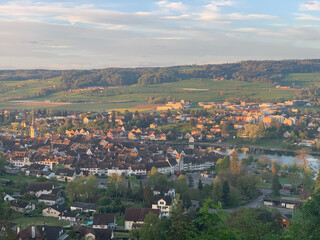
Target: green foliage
x,y
223,164
5,211
150,230
225,193
305,225
147,195
181,227
276,186
212,221
2,162
255,223
82,189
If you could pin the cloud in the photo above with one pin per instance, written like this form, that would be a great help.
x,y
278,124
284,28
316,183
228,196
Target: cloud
x,y
223,3
67,35
240,16
306,17
310,6
177,6
183,16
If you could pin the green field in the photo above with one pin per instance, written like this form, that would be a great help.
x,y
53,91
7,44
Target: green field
x,y
129,97
301,79
50,221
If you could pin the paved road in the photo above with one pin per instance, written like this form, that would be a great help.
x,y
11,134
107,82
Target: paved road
x,y
255,203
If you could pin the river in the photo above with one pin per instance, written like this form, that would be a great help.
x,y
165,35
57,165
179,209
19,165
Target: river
x,y
313,161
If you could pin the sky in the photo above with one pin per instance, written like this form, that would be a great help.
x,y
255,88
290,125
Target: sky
x,y
54,34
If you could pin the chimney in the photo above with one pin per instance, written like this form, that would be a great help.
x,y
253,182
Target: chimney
x,y
33,231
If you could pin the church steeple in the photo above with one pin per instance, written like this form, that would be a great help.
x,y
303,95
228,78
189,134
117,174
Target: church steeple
x,y
33,131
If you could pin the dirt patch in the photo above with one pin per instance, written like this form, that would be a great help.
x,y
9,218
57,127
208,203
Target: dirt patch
x,y
147,106
195,89
39,104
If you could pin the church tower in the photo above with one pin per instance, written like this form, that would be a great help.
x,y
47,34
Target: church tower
x,y
33,131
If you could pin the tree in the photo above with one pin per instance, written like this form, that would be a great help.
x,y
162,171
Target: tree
x,y
183,189
129,191
255,223
276,186
302,157
212,222
274,168
147,195
307,179
2,162
317,181
225,193
217,191
180,226
82,189
223,164
190,180
200,186
151,228
305,224
235,164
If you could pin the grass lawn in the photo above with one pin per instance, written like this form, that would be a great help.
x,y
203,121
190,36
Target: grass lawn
x,y
264,185
15,177
284,180
267,143
50,221
120,220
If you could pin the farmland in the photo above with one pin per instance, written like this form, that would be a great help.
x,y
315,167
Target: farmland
x,y
134,97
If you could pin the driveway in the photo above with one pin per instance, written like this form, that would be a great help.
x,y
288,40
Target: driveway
x,y
255,203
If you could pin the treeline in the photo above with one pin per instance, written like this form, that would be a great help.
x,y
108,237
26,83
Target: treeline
x,y
22,75
251,71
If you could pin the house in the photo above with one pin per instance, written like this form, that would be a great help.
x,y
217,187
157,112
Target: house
x,y
163,203
7,227
42,232
8,198
88,119
53,211
287,134
287,187
40,188
285,220
51,199
134,217
153,126
164,190
68,216
22,206
83,232
103,220
83,207
65,174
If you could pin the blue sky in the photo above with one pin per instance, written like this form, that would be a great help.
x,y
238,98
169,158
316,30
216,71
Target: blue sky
x,y
125,33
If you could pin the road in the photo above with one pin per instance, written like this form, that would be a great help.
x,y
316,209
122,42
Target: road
x,y
255,203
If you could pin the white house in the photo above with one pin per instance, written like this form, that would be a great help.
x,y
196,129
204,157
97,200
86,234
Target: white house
x,y
134,217
163,203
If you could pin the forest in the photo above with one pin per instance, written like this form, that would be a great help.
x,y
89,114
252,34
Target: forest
x,y
250,71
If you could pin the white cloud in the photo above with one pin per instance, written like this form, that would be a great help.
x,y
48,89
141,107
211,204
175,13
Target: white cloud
x,y
41,35
246,29
177,6
306,17
223,3
240,16
179,17
310,6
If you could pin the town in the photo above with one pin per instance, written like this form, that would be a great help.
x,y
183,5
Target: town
x,y
107,175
